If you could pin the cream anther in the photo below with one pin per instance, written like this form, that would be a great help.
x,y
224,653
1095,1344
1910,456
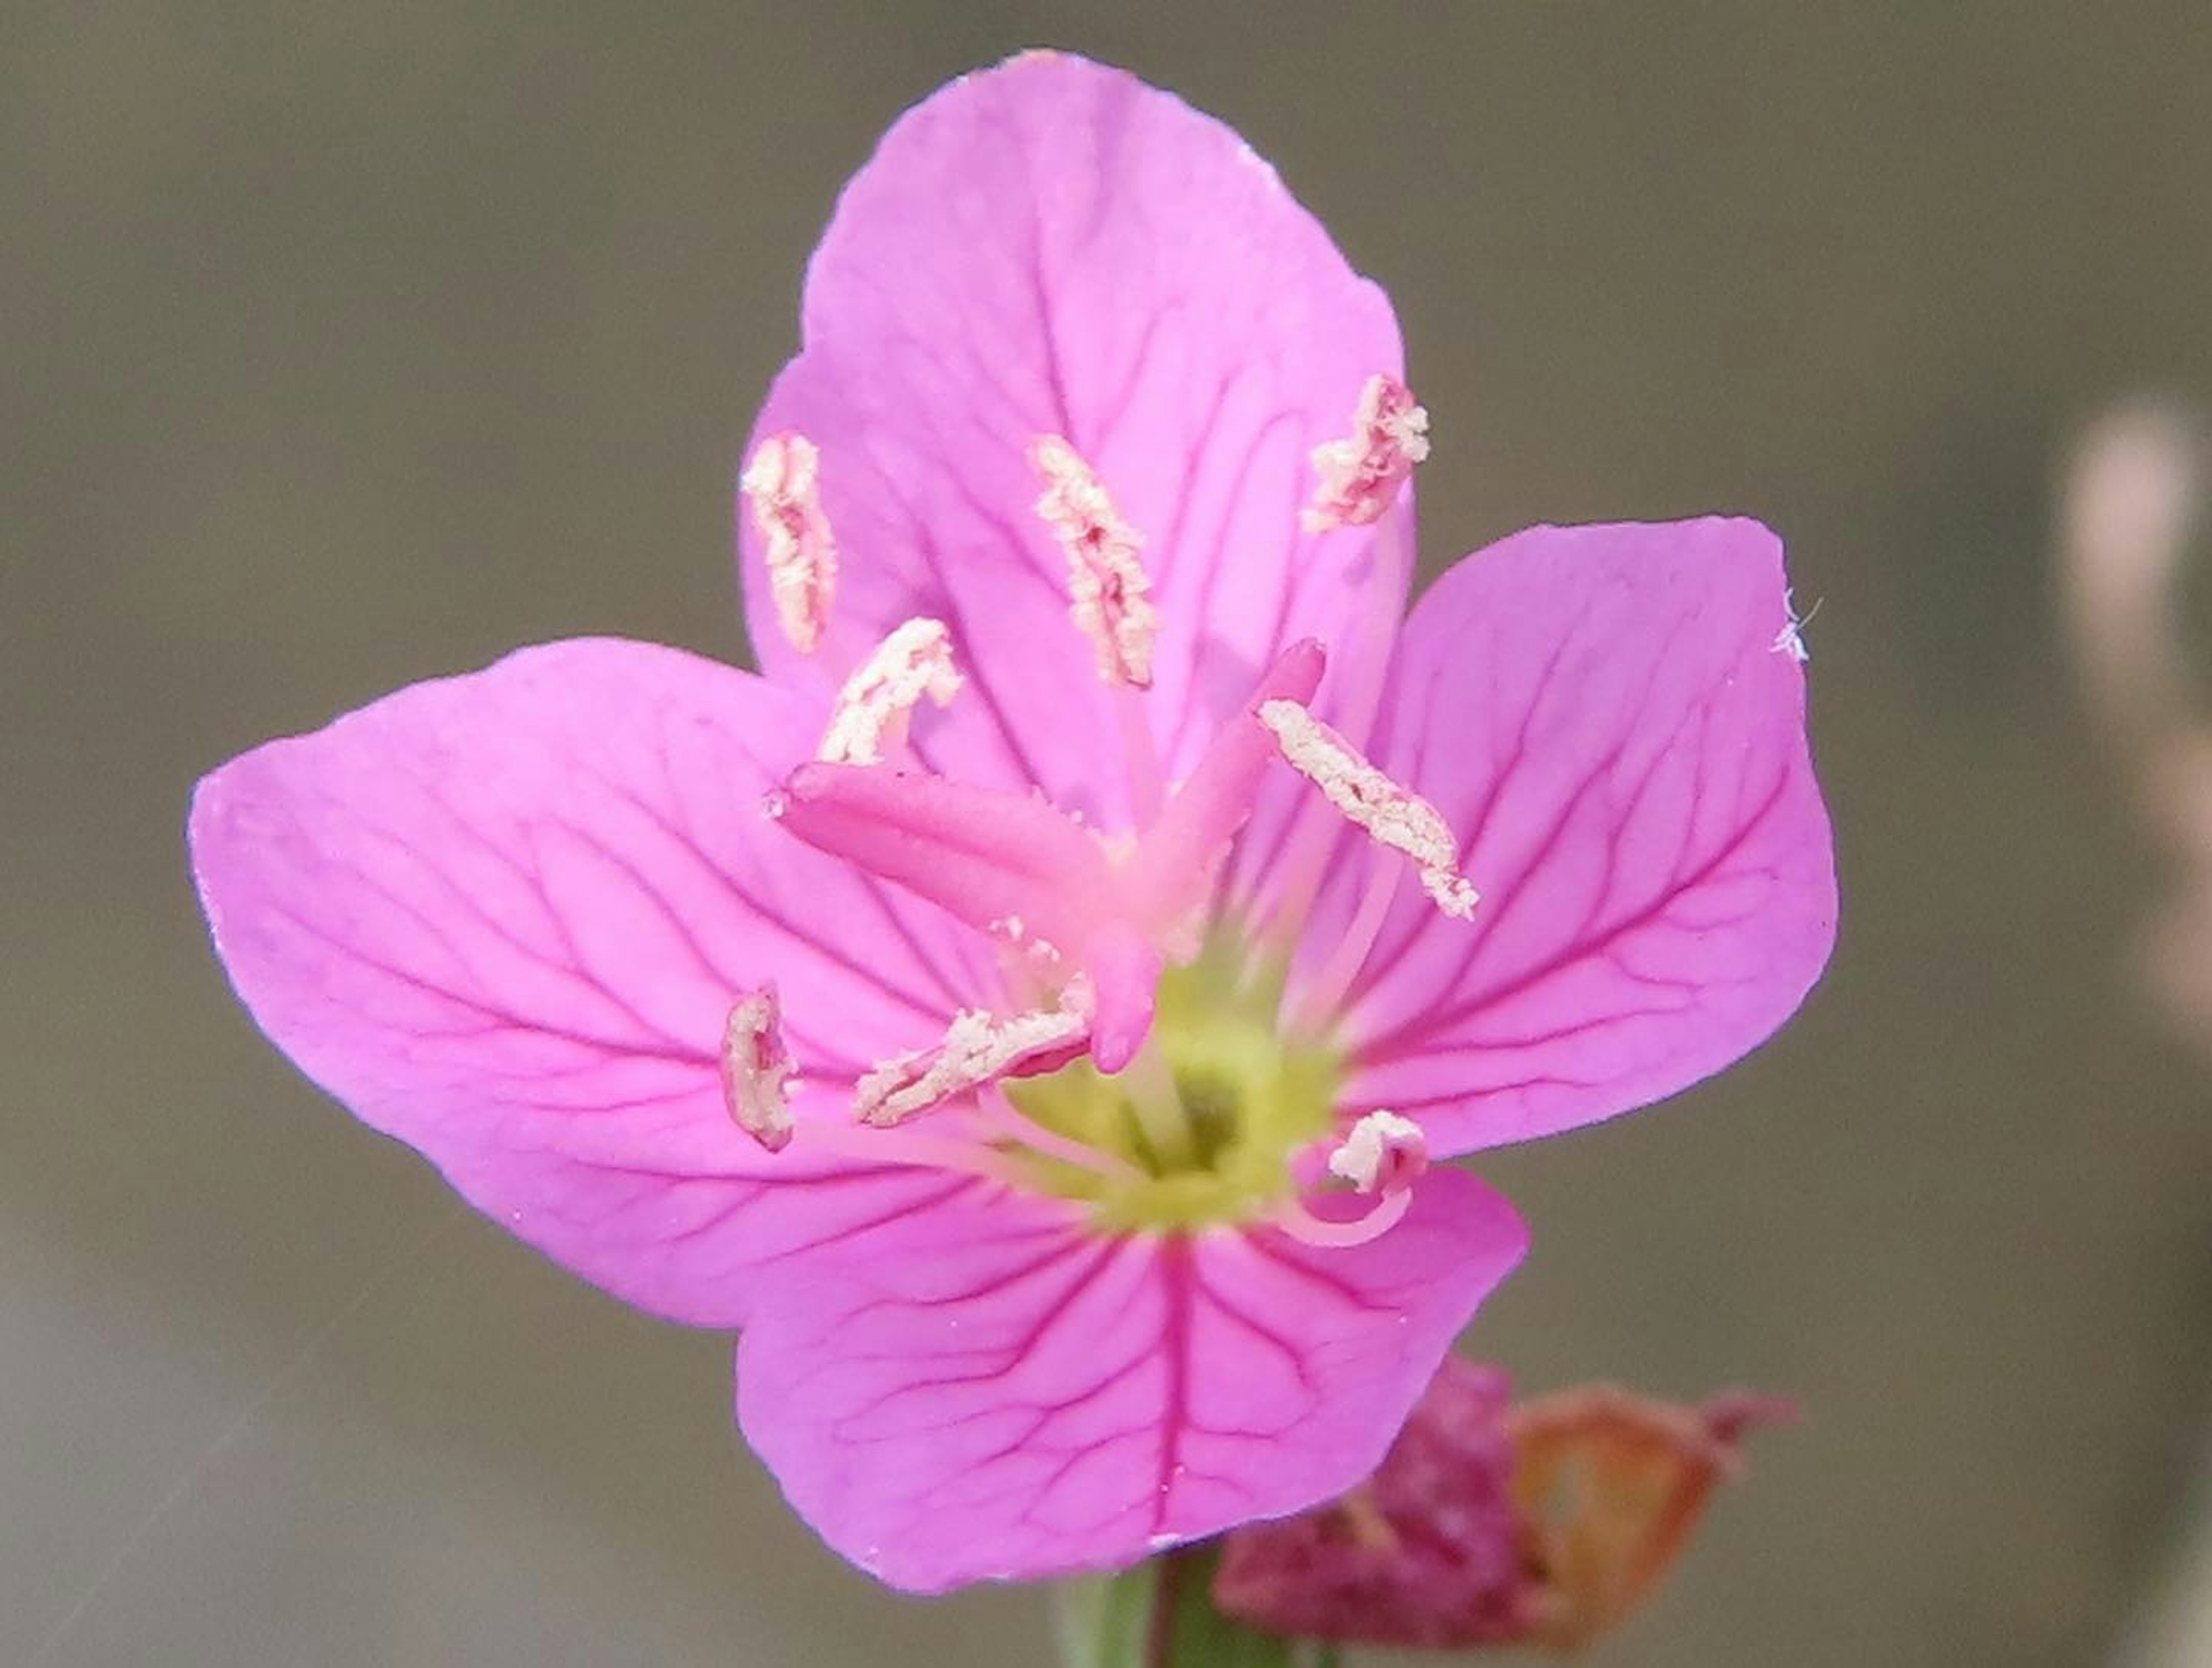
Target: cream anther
x,y
783,485
1392,815
755,1067
978,1049
1383,1154
1360,476
874,707
1106,583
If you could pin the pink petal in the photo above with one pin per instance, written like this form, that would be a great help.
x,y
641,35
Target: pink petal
x,y
1053,248
1607,717
987,1389
504,918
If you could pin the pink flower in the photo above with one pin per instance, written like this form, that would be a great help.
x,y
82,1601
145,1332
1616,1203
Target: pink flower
x,y
969,1007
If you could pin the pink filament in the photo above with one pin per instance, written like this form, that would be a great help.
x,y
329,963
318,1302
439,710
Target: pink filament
x,y
1300,1223
921,1149
1319,998
1005,1120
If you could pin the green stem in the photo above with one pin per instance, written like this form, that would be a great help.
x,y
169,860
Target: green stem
x,y
1167,1593
1161,1614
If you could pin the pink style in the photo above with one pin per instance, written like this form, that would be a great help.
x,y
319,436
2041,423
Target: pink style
x,y
1036,1008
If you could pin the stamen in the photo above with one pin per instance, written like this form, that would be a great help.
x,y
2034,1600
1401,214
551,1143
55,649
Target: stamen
x,y
978,1049
783,485
1028,1135
1106,583
1392,815
1319,997
755,1066
1790,640
1383,1154
1300,1223
918,1150
1360,476
877,700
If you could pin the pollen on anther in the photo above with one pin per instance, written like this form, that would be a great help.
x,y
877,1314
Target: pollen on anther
x,y
978,1048
1107,584
1384,1152
1361,474
1391,814
756,1069
783,486
914,662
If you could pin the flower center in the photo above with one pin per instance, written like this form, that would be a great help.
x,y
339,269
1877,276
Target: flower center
x,y
1202,1126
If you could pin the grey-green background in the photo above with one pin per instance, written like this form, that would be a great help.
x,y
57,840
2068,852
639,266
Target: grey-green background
x,y
348,344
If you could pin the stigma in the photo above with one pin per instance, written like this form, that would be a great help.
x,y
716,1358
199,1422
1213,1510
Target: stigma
x,y
1107,584
1361,475
783,486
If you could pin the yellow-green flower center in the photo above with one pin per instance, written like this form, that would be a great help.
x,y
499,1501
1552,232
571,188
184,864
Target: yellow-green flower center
x,y
1206,1119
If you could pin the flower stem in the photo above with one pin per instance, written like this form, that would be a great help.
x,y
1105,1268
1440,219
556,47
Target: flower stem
x,y
1159,1635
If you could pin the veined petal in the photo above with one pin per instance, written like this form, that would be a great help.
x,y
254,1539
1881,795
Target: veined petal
x,y
1607,717
988,1389
504,917
1053,249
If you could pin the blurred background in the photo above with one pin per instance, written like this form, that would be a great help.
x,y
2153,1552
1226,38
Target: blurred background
x,y
348,345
